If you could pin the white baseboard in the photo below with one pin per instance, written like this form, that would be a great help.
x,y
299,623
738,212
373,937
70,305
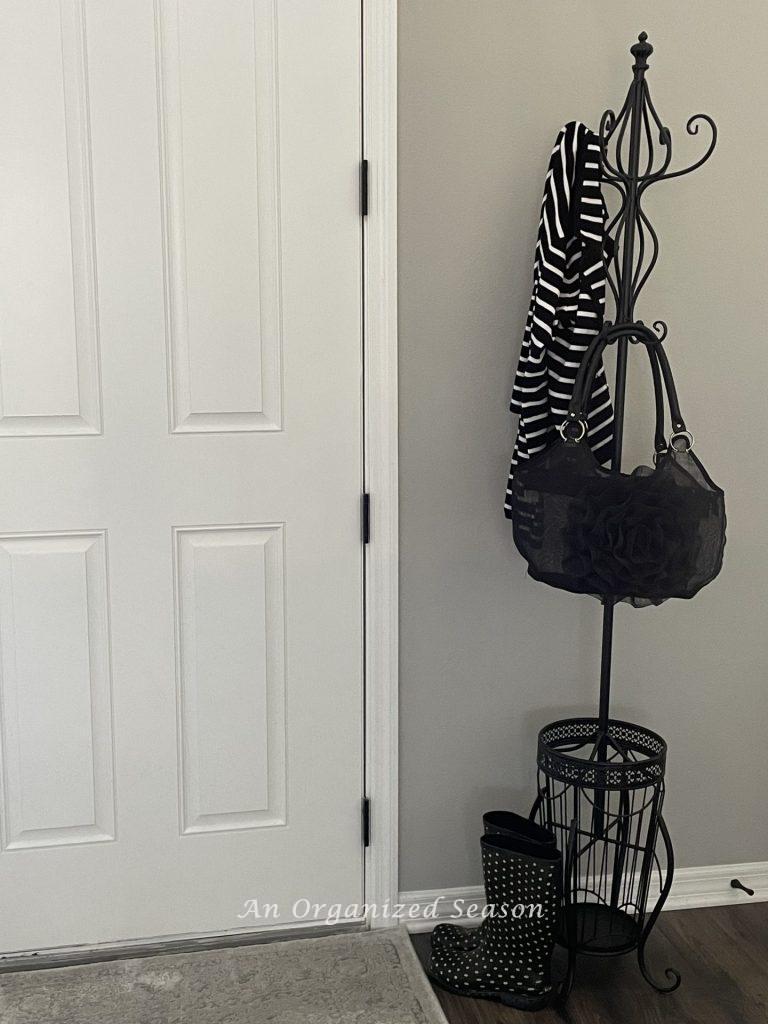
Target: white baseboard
x,y
691,888
711,886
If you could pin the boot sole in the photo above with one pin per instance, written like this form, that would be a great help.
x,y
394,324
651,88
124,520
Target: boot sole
x,y
517,1001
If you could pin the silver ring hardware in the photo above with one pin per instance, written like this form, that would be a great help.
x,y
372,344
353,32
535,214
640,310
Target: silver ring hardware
x,y
681,433
562,427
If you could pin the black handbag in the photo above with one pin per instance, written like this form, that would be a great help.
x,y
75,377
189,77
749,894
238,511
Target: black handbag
x,y
640,537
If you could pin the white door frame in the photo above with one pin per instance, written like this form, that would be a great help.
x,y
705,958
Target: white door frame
x,y
380,439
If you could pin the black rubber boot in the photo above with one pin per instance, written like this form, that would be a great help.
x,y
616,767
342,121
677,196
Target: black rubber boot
x,y
505,823
511,962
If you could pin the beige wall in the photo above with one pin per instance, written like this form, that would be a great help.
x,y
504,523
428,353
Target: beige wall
x,y
488,655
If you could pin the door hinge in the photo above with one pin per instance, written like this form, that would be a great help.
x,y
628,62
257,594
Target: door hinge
x,y
366,518
363,188
366,821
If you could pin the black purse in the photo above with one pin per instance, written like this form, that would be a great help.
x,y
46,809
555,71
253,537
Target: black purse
x,y
640,537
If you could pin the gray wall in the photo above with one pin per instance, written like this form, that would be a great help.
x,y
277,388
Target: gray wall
x,y
488,655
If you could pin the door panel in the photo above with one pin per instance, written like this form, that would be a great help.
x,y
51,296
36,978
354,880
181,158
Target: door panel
x,y
48,351
180,560
56,696
219,143
230,605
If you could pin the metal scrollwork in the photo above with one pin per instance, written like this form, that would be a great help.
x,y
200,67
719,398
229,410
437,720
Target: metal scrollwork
x,y
635,152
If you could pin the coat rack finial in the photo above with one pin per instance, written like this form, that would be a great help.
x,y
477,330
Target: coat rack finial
x,y
641,51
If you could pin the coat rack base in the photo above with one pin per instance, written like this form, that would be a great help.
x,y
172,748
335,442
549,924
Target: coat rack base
x,y
601,791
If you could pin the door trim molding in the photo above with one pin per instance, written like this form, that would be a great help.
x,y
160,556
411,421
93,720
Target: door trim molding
x,y
379,57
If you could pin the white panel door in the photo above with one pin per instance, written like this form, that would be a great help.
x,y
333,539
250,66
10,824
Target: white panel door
x,y
180,465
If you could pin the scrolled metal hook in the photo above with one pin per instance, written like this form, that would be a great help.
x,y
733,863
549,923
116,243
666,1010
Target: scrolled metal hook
x,y
692,127
607,127
661,329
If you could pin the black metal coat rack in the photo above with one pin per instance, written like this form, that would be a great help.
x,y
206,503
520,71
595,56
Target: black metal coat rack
x,y
601,781
633,259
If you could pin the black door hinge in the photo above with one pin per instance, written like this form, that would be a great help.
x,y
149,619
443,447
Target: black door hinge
x,y
363,188
366,518
366,821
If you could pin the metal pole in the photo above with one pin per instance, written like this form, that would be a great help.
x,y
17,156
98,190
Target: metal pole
x,y
641,51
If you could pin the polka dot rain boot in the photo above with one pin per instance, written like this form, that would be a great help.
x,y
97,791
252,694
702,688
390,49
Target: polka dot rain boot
x,y
505,823
511,962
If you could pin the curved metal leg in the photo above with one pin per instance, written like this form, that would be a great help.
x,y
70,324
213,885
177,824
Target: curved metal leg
x,y
536,805
567,983
670,972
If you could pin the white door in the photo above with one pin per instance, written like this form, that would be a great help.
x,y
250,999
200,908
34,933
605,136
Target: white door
x,y
180,465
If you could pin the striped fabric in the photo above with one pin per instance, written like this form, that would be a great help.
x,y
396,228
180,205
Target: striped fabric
x,y
567,304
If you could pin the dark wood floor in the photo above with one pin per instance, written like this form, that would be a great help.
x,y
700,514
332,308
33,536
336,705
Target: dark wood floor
x,y
721,952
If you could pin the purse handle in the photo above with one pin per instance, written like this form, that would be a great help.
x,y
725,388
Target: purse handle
x,y
574,427
660,443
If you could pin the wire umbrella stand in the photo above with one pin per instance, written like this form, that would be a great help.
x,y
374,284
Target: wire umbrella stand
x,y
606,816
600,780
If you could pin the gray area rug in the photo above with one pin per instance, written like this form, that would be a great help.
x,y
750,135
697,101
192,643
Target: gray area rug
x,y
365,978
